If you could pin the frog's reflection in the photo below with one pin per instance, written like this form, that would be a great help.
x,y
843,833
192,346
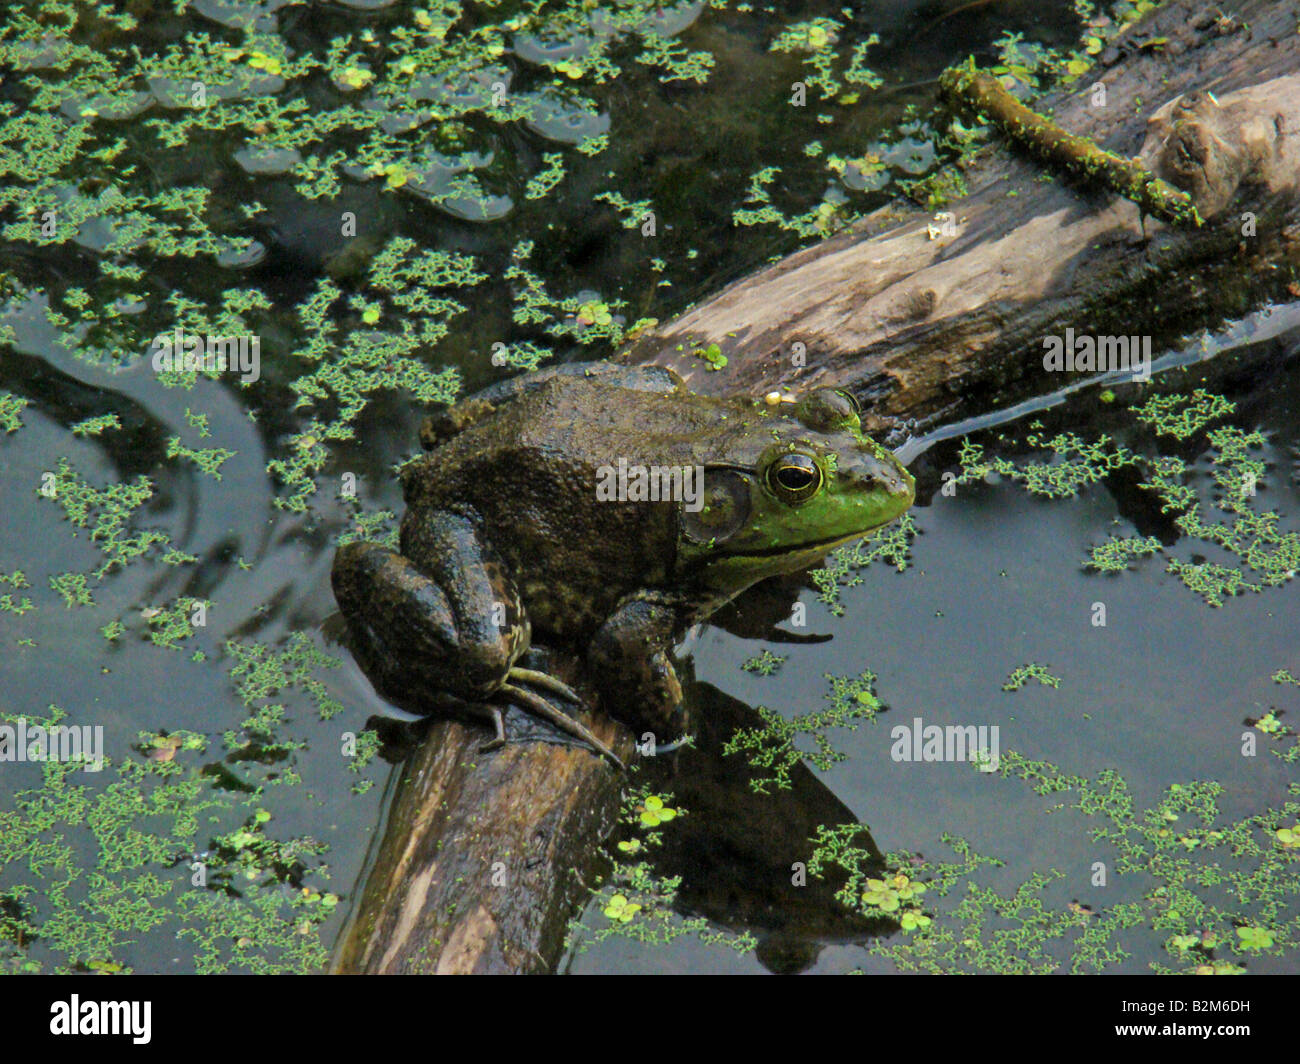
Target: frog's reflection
x,y
737,850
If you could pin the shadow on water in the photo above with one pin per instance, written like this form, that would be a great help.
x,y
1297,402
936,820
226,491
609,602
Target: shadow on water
x,y
738,852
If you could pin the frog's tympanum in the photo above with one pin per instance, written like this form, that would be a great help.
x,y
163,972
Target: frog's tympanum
x,y
603,508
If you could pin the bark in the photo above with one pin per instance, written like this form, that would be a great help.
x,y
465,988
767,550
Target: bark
x,y
485,857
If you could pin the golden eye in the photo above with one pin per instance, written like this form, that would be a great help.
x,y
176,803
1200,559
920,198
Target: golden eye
x,y
794,477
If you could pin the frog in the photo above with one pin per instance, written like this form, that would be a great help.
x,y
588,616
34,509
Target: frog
x,y
604,508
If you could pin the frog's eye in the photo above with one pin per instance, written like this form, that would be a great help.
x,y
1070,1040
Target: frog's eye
x,y
794,477
844,393
828,409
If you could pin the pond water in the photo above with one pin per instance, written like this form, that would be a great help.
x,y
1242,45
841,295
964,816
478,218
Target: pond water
x,y
401,200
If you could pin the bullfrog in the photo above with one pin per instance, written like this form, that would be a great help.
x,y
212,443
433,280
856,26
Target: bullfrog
x,y
606,508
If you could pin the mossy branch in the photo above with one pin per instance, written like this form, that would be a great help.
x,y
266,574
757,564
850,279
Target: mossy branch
x,y
1049,143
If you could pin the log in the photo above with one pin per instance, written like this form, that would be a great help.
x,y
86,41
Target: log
x,y
927,326
484,858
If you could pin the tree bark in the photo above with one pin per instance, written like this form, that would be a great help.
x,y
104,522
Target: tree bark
x,y
485,857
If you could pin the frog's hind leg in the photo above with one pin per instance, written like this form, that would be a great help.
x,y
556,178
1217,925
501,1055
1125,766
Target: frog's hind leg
x,y
422,635
446,633
539,707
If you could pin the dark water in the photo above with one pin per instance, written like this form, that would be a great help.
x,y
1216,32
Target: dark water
x,y
1160,694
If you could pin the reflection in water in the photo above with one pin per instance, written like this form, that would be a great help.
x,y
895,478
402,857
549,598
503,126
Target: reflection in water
x,y
737,850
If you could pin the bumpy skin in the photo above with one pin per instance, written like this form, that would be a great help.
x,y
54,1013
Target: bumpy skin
x,y
504,538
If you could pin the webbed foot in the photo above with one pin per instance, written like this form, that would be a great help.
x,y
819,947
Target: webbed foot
x,y
498,722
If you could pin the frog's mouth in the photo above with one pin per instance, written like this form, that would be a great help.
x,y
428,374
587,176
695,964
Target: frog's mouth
x,y
812,547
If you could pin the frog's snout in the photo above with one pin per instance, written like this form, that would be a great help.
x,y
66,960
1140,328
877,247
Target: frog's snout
x,y
870,472
902,485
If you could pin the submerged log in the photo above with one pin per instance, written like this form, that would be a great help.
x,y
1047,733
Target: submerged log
x,y
486,856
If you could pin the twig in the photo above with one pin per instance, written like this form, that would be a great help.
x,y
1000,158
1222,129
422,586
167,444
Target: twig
x,y
1049,143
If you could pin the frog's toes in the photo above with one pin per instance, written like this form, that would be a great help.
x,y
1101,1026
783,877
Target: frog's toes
x,y
539,707
499,724
546,682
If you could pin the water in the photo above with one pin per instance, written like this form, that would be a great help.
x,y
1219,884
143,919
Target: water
x,y
995,583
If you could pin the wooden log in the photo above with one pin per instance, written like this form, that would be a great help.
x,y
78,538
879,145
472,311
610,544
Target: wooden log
x,y
485,857
927,325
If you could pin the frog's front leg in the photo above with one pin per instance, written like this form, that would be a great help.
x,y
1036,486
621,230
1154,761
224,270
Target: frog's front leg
x,y
630,655
446,632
